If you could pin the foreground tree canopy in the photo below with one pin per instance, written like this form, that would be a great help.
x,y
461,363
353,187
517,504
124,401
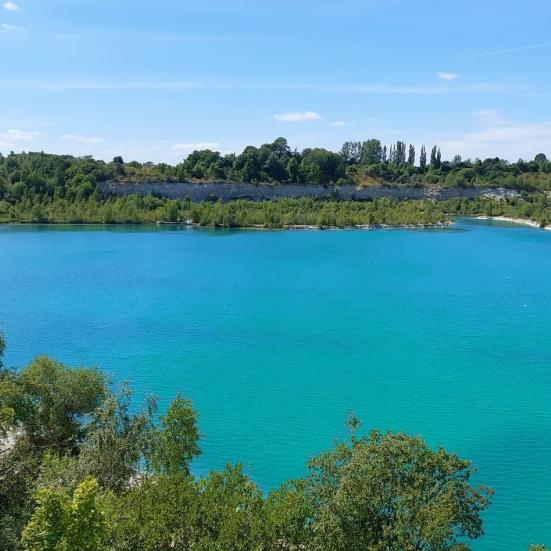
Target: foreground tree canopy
x,y
80,469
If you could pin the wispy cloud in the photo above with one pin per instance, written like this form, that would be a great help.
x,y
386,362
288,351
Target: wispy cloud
x,y
81,139
60,86
195,146
13,136
385,89
338,124
175,85
11,6
298,117
66,36
490,118
77,85
447,76
18,135
6,28
507,51
498,136
70,86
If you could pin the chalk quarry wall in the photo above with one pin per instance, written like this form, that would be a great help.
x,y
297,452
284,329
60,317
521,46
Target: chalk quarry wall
x,y
257,192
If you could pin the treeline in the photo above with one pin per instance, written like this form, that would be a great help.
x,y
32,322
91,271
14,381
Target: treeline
x,y
276,213
82,469
33,175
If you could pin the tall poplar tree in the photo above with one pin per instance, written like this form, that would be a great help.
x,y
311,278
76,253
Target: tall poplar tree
x,y
423,158
411,155
433,157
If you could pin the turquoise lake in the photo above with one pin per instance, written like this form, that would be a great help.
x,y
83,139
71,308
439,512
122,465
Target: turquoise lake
x,y
275,335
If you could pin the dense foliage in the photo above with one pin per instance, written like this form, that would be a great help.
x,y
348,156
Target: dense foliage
x,y
241,213
80,469
277,213
39,187
26,175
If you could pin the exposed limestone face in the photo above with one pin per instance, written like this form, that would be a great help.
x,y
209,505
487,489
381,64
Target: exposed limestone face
x,y
258,192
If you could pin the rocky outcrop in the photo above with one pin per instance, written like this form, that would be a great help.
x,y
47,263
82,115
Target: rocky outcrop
x,y
198,192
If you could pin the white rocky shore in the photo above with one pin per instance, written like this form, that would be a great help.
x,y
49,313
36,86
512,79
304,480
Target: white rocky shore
x,y
520,221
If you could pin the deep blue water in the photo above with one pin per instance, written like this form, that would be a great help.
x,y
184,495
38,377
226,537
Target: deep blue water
x,y
276,335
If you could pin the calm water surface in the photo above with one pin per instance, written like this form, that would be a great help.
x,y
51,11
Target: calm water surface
x,y
276,335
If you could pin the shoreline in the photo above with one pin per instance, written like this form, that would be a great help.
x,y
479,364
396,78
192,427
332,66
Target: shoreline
x,y
189,224
518,221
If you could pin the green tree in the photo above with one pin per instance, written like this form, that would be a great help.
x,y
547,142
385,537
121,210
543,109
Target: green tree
x,y
400,153
293,169
62,524
289,513
351,152
320,166
280,147
372,152
423,158
86,522
231,512
435,157
51,401
393,492
46,529
411,155
117,441
159,513
177,438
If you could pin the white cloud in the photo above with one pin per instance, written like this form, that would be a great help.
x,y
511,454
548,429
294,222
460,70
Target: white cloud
x,y
490,117
195,146
298,117
338,123
81,139
499,137
14,135
11,6
11,137
447,76
10,28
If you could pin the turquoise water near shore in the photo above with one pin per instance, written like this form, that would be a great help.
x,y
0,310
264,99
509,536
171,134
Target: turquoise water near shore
x,y
275,335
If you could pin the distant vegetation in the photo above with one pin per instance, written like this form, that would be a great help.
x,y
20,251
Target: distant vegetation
x,y
277,213
362,163
39,187
80,469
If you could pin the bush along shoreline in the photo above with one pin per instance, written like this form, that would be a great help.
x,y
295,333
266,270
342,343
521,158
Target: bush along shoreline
x,y
277,213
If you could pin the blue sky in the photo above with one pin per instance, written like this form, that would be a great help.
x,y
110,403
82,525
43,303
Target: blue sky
x,y
151,80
